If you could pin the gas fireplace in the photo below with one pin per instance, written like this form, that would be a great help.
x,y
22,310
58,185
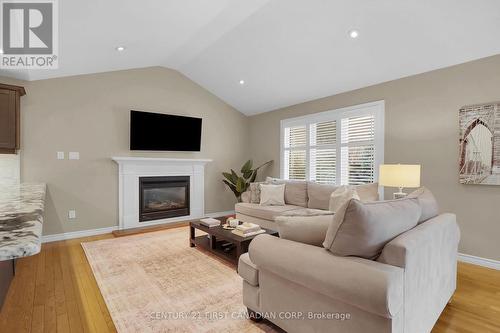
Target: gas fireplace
x,y
163,197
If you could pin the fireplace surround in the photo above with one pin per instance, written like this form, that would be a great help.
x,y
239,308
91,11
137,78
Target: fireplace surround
x,y
132,169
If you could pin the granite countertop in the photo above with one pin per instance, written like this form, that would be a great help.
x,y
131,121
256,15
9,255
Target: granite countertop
x,y
21,218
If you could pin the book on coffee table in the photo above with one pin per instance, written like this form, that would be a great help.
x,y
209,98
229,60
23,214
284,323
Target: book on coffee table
x,y
210,222
248,227
247,234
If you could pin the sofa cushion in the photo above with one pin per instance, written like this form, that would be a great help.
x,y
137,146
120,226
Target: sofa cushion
x,y
362,229
295,190
247,270
319,195
307,212
427,202
272,195
304,229
340,196
367,192
263,212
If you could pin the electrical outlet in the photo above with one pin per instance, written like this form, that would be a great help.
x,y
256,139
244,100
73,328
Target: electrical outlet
x,y
74,155
60,155
72,214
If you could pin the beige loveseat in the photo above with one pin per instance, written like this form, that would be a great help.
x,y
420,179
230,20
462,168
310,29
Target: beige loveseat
x,y
306,288
301,198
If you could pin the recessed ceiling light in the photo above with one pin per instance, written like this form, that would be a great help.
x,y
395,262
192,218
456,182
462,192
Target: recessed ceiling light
x,y
120,48
242,82
1,51
353,33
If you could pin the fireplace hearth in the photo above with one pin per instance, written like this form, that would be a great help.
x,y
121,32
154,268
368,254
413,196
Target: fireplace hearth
x,y
163,197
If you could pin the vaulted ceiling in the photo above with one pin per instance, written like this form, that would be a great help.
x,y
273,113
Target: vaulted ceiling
x,y
286,51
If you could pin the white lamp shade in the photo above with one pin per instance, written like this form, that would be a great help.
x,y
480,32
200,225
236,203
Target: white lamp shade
x,y
399,175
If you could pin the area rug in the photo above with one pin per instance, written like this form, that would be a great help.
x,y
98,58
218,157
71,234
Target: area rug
x,y
155,282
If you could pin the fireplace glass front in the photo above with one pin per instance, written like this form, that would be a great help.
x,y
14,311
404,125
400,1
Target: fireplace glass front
x,y
163,197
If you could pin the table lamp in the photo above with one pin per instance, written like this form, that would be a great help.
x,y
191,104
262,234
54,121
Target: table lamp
x,y
400,176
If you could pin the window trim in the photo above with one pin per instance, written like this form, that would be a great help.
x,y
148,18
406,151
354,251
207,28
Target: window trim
x,y
376,108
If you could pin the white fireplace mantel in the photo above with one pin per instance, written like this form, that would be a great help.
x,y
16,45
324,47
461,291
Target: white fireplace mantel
x,y
124,160
131,168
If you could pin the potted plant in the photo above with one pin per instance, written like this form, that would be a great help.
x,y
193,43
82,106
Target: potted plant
x,y
239,184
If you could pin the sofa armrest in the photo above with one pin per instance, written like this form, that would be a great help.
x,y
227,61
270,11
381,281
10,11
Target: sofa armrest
x,y
437,239
428,255
247,270
366,284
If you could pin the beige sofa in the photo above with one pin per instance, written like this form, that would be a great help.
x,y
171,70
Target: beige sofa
x,y
305,288
301,198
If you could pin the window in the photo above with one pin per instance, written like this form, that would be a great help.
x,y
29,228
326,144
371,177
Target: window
x,y
343,147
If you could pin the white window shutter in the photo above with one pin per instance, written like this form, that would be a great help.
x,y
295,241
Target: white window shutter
x,y
358,150
323,157
295,137
295,152
296,164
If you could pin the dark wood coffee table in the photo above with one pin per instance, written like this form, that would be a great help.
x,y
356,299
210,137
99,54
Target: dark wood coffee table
x,y
218,236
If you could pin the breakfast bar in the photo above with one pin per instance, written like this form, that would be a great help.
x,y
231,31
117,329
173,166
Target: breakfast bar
x,y
21,218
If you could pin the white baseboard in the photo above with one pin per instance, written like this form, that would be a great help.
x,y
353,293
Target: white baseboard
x,y
485,262
100,231
77,234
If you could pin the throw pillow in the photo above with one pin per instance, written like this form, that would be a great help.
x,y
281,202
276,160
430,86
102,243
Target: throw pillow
x,y
272,195
295,190
362,229
367,192
340,196
427,202
304,229
255,192
245,197
319,195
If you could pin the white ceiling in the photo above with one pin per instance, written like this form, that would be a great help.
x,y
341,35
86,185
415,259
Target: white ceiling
x,y
287,51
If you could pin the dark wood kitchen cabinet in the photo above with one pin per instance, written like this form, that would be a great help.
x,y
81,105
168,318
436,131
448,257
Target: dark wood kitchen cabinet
x,y
10,105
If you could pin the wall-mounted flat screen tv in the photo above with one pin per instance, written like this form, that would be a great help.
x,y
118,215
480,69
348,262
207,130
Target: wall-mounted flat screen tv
x,y
164,132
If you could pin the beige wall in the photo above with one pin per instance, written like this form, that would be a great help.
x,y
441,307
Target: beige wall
x,y
90,114
421,124
9,169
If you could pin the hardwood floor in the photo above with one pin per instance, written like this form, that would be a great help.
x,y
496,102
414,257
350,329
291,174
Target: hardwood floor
x,y
55,291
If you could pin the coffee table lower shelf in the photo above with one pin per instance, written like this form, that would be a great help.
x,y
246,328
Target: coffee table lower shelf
x,y
205,242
